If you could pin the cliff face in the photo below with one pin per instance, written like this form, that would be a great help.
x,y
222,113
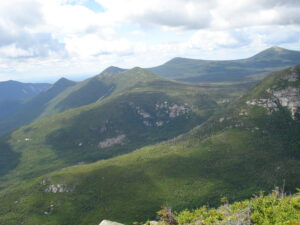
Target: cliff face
x,y
285,93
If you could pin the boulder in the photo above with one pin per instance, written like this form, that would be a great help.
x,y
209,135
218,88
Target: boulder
x,y
107,222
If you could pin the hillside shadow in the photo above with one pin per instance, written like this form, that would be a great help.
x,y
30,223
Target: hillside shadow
x,y
78,142
8,158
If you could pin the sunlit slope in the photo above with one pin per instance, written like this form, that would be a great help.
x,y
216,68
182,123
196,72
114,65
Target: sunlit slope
x,y
110,82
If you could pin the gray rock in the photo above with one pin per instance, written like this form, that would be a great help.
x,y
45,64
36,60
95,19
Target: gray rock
x,y
107,222
288,97
112,141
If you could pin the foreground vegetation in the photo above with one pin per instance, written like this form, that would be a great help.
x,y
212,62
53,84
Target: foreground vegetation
x,y
273,209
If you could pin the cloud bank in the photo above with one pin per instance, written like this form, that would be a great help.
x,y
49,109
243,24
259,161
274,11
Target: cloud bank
x,y
42,40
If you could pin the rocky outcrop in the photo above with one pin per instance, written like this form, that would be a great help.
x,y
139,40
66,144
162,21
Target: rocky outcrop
x,y
287,95
112,141
292,76
162,114
270,104
173,110
56,188
107,222
290,98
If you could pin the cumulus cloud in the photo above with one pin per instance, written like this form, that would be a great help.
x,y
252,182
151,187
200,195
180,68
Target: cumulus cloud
x,y
197,14
20,37
66,36
20,13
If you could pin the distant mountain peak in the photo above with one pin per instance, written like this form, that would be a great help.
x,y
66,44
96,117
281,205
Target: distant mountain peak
x,y
277,53
176,59
63,82
12,89
63,79
137,69
11,82
113,69
277,48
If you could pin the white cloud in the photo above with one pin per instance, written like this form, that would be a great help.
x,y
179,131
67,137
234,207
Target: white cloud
x,y
209,40
92,44
11,51
59,37
195,14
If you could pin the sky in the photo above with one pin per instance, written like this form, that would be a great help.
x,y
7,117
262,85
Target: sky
x,y
43,40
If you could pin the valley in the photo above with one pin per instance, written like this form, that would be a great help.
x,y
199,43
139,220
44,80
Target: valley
x,y
121,144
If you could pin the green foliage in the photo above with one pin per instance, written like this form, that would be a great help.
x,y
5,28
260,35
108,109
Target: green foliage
x,y
276,209
273,209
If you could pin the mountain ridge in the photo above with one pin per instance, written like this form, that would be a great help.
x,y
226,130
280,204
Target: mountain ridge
x,y
254,67
32,108
15,90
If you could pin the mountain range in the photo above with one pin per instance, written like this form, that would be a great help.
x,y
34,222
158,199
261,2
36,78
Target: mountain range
x,y
253,68
119,145
243,73
13,94
14,90
27,111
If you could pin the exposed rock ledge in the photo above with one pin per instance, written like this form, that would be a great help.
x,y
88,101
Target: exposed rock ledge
x,y
288,97
112,141
107,222
57,188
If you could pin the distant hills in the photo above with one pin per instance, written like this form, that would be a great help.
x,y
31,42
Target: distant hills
x,y
244,71
234,151
113,81
253,68
13,94
21,113
14,90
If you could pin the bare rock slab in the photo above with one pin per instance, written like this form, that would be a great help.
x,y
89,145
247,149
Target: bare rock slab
x,y
107,222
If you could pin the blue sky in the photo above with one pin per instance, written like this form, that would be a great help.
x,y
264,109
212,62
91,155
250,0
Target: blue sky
x,y
44,40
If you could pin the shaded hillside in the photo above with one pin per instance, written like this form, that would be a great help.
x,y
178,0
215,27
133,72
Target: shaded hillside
x,y
14,93
146,113
9,108
14,90
252,146
32,109
256,67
